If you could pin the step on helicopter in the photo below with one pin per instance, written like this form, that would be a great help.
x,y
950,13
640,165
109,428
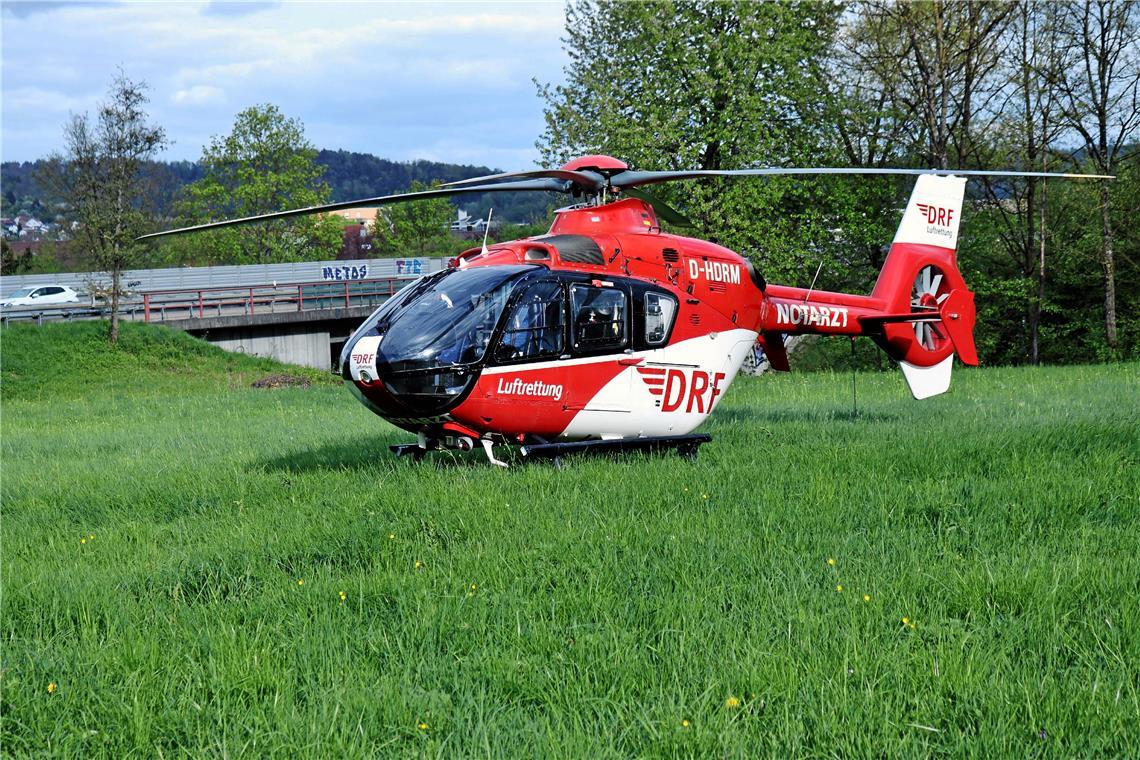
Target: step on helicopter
x,y
608,332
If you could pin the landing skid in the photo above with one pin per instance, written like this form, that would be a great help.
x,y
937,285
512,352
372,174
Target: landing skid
x,y
413,450
686,446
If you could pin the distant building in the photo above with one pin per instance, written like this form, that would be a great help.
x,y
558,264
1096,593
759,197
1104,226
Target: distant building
x,y
24,226
356,243
365,215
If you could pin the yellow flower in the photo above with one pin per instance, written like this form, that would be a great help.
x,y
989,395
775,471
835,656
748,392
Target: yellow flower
x,y
686,489
51,687
83,540
300,581
419,564
92,537
831,561
704,496
866,597
343,596
684,723
423,726
474,586
839,588
391,536
906,621
732,703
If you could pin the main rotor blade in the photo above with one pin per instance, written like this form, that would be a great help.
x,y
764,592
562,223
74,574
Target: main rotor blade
x,y
585,180
663,209
632,178
549,185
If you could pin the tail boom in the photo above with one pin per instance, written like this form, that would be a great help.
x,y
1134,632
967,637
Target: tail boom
x,y
920,311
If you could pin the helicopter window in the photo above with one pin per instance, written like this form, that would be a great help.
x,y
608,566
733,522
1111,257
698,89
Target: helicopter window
x,y
599,317
448,321
659,312
534,327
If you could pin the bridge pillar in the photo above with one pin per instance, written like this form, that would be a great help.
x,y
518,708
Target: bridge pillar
x,y
292,344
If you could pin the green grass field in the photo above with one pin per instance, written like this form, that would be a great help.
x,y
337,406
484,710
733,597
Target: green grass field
x,y
195,567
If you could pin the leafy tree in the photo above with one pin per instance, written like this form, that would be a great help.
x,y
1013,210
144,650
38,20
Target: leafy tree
x,y
695,85
101,180
1099,93
265,164
1021,134
12,263
416,229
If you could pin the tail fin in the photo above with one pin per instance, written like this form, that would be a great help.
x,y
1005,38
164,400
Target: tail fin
x,y
931,311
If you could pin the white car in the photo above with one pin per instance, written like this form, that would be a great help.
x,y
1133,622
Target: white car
x,y
40,295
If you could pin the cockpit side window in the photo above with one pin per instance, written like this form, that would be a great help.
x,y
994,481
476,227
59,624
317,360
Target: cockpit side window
x,y
600,318
659,312
534,328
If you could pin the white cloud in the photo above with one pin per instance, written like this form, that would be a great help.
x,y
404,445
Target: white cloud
x,y
200,94
395,79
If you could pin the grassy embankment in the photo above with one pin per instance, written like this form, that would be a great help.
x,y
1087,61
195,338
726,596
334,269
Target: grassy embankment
x,y
193,565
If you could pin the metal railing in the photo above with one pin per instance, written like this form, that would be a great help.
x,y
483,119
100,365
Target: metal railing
x,y
225,301
267,299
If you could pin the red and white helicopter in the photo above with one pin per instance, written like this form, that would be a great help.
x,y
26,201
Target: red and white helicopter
x,y
607,332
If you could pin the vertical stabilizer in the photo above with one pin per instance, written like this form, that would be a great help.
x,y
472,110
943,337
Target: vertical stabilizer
x,y
934,212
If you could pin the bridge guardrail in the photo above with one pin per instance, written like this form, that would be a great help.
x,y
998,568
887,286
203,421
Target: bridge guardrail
x,y
219,301
191,303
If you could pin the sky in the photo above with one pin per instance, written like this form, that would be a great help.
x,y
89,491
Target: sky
x,y
443,81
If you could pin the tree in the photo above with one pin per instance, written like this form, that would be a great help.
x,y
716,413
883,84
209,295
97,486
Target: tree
x,y
1021,136
12,263
100,178
265,164
1099,91
699,85
417,228
930,66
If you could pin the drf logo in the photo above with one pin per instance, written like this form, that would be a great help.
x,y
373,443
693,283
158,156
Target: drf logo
x,y
936,214
696,389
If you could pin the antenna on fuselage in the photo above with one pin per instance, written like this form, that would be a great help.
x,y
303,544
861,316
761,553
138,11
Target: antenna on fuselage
x,y
487,231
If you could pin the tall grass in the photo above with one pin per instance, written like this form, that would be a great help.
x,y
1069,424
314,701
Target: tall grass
x,y
194,566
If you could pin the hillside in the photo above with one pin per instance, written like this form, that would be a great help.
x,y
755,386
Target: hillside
x,y
67,361
349,175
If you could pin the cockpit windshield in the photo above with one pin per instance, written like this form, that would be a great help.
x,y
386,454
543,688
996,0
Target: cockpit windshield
x,y
443,320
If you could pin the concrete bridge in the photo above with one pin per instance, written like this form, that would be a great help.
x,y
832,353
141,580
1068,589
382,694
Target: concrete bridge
x,y
302,322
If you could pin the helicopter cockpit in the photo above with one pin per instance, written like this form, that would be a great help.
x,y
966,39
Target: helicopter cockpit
x,y
435,333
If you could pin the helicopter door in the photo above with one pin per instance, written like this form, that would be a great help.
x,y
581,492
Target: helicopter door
x,y
600,327
534,329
